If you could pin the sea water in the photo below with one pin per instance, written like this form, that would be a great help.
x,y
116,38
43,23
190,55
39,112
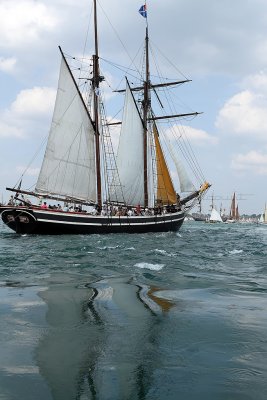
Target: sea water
x,y
121,317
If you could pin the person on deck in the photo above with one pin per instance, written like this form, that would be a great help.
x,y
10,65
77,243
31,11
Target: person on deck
x,y
11,201
138,209
44,205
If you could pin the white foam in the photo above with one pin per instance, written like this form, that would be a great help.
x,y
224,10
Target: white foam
x,y
164,252
235,251
153,267
108,247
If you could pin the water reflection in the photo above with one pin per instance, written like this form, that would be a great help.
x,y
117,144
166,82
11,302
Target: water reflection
x,y
101,340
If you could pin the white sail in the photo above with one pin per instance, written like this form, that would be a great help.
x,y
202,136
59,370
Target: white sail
x,y
186,184
215,216
151,178
68,167
130,155
261,220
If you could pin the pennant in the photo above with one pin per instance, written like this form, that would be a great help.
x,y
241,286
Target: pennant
x,y
142,11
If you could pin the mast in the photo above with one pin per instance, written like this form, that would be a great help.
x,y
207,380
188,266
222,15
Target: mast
x,y
96,79
146,105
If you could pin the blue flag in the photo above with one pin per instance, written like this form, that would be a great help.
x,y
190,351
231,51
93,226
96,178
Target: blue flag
x,y
143,11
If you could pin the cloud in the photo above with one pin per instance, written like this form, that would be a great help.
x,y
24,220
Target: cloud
x,y
8,131
244,114
257,82
23,22
26,114
7,64
196,136
253,161
32,103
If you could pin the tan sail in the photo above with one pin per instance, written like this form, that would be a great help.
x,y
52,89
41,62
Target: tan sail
x,y
233,208
165,190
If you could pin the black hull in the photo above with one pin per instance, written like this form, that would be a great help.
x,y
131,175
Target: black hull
x,y
24,220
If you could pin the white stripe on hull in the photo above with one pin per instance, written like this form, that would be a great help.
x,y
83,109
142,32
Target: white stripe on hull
x,y
109,223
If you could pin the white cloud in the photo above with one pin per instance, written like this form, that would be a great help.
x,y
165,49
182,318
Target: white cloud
x,y
196,136
253,161
244,114
257,82
34,102
8,130
31,107
23,22
7,64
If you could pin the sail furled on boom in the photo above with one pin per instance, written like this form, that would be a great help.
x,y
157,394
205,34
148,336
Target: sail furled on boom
x,y
68,167
130,154
165,189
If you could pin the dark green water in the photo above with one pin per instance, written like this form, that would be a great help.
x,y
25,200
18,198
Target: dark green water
x,y
125,317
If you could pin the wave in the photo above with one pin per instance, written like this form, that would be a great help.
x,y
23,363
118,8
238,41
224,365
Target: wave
x,y
165,253
153,267
235,251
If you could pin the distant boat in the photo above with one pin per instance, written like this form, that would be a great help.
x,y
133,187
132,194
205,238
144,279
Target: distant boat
x,y
234,212
215,216
263,217
199,216
131,192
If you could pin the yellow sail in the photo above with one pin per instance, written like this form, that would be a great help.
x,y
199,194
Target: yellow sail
x,y
165,190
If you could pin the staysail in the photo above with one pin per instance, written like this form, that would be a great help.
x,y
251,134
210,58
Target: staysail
x,y
186,184
68,167
130,154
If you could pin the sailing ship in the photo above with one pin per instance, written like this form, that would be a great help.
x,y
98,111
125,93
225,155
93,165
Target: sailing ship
x,y
101,192
214,215
199,216
234,212
263,217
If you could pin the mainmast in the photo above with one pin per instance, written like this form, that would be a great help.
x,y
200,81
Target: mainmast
x,y
95,81
146,107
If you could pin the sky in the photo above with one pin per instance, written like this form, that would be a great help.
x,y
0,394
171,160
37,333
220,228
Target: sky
x,y
220,45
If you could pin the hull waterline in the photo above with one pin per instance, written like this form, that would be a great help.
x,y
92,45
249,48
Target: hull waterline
x,y
36,221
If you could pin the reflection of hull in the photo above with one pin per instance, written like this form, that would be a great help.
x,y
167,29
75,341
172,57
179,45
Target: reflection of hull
x,y
102,339
38,221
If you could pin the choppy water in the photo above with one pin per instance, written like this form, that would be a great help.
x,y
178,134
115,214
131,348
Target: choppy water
x,y
122,317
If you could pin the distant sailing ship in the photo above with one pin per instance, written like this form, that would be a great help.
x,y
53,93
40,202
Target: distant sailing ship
x,y
234,212
102,193
199,216
214,215
263,217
